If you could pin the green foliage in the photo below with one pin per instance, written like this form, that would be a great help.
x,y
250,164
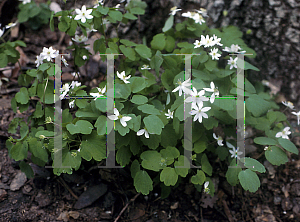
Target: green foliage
x,y
152,142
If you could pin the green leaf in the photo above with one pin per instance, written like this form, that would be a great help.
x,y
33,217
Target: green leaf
x,y
143,51
134,168
170,152
199,178
127,42
253,164
185,45
249,180
42,67
199,146
38,111
156,62
130,16
123,155
37,149
206,167
232,173
169,135
116,15
222,153
210,65
152,142
122,91
158,42
103,10
22,96
210,123
256,105
179,113
137,84
72,29
26,168
276,116
265,141
101,105
19,151
151,160
288,145
247,66
168,176
70,159
139,99
276,156
170,44
93,146
46,133
169,23
179,166
137,11
84,113
148,109
143,182
24,129
128,52
81,126
101,125
153,124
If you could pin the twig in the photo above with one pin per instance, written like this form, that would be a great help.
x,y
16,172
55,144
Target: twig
x,y
67,187
227,211
125,207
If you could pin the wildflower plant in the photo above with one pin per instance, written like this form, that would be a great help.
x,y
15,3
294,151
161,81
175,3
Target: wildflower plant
x,y
153,100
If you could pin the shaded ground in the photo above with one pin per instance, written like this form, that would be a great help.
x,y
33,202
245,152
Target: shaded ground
x,y
51,198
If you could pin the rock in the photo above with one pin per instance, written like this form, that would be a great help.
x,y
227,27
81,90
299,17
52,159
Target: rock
x,y
18,181
42,199
274,3
4,186
3,194
90,196
293,35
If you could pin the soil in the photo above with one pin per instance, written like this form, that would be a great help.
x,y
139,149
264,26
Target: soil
x,y
93,194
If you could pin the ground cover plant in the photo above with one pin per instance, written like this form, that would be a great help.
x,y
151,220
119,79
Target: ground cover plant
x,y
152,97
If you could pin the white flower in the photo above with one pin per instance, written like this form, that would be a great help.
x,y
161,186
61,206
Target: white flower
x,y
288,104
123,77
232,62
234,49
143,131
182,87
145,67
91,29
203,12
197,98
75,74
64,90
83,14
214,54
284,133
75,83
10,25
84,57
71,104
79,39
117,115
169,114
207,41
206,189
187,14
39,60
198,18
197,44
48,54
99,93
214,90
64,61
219,139
234,152
199,112
217,40
25,1
298,116
1,32
174,10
